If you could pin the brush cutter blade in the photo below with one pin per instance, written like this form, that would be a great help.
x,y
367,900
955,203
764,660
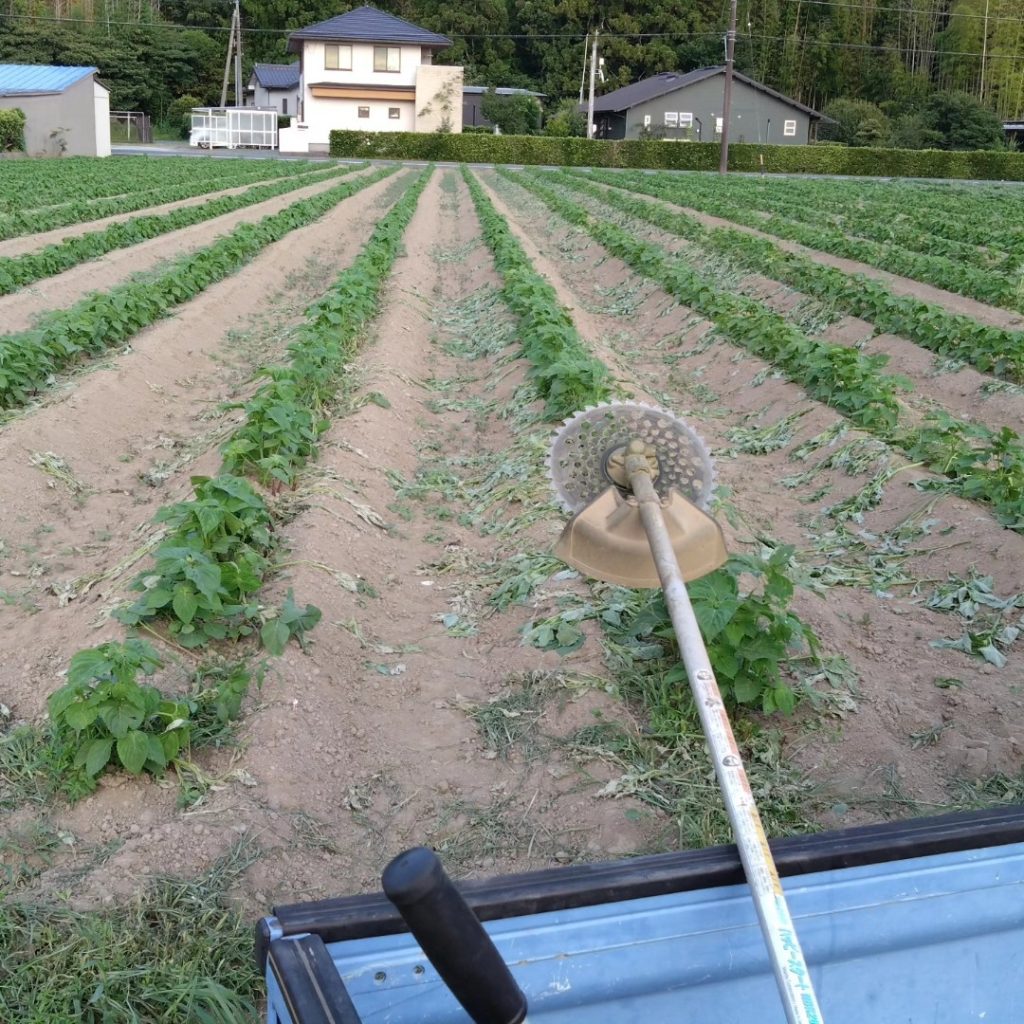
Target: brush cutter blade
x,y
607,540
582,459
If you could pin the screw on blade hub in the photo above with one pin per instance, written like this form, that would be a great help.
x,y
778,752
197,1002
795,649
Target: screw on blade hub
x,y
584,453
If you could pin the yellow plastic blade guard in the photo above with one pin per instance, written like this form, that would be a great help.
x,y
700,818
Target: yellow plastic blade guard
x,y
607,540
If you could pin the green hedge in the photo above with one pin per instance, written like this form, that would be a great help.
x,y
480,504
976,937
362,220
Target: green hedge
x,y
691,156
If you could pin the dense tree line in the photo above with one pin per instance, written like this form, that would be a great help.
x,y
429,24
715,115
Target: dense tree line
x,y
894,53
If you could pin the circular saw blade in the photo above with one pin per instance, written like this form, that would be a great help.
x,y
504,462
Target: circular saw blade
x,y
579,451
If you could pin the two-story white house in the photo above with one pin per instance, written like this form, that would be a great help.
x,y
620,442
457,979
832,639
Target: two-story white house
x,y
372,71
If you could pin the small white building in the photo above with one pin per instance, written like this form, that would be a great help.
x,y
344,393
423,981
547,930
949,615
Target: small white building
x,y
274,85
372,71
67,112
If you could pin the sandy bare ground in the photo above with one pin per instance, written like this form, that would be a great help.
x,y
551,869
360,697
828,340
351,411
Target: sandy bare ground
x,y
364,744
980,724
132,430
368,742
19,309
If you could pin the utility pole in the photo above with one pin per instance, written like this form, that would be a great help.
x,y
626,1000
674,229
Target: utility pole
x,y
730,49
234,46
583,77
984,53
593,73
239,97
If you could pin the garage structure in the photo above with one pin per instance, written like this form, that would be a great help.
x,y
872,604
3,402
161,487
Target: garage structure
x,y
67,112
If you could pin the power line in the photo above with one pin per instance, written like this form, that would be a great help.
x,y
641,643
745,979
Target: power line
x,y
577,36
906,10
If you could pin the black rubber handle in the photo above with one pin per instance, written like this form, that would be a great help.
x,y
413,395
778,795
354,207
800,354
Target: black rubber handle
x,y
453,938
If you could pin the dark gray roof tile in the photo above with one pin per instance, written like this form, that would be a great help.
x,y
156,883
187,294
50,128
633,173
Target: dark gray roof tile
x,y
367,25
277,76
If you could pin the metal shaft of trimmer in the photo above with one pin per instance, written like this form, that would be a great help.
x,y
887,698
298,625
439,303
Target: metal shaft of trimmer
x,y
787,957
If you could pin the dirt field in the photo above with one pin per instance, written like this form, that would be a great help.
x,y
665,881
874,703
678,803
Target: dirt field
x,y
418,713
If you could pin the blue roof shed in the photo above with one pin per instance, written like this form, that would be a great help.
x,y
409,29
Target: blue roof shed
x,y
39,79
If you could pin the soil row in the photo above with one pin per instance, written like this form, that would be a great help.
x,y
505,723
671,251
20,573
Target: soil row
x,y
971,727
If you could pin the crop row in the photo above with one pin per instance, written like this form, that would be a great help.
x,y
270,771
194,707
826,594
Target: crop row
x,y
976,462
734,615
982,238
28,359
991,349
34,183
888,223
567,375
915,213
181,186
219,547
18,271
986,286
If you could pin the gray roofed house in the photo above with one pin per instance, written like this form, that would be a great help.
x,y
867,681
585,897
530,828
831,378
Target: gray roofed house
x,y
367,24
274,85
687,106
277,76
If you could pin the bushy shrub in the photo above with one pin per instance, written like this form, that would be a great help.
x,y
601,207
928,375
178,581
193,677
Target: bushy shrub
x,y
179,114
856,123
518,114
12,130
696,156
963,122
566,121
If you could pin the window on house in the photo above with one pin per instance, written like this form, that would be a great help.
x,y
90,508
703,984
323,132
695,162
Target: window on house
x,y
671,119
364,111
338,58
387,58
647,120
284,104
718,126
686,120
394,113
789,128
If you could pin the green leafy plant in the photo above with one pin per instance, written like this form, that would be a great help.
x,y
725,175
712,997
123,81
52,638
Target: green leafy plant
x,y
750,632
109,717
30,358
210,567
17,271
285,417
12,130
991,349
567,375
976,462
40,198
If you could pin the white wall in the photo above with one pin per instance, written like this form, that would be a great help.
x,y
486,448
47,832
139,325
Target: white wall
x,y
362,72
438,96
102,100
261,97
344,113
